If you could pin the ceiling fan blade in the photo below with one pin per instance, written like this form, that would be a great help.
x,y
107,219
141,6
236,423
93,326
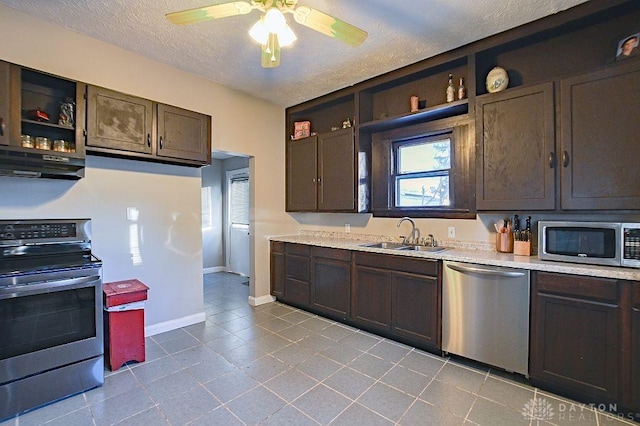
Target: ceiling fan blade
x,y
215,11
328,25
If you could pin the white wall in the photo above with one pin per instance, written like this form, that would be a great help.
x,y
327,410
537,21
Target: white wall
x,y
168,197
212,239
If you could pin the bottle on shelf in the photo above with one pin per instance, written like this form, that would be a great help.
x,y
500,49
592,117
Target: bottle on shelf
x,y
462,91
450,90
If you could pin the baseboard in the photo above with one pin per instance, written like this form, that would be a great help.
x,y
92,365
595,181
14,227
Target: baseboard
x,y
214,269
255,301
154,329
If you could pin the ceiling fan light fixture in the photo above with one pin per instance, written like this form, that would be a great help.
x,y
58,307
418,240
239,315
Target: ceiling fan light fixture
x,y
259,32
274,20
286,36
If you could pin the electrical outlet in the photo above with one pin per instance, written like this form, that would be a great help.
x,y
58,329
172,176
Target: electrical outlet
x,y
347,227
451,232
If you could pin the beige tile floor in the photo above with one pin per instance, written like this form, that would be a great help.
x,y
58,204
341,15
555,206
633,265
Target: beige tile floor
x,y
276,365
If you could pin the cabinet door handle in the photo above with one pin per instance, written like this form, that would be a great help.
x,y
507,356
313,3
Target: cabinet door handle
x,y
149,140
161,144
565,158
552,160
2,126
319,181
313,180
636,309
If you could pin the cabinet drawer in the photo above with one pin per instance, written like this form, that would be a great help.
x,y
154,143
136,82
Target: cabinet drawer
x,y
398,263
574,285
277,247
299,249
330,253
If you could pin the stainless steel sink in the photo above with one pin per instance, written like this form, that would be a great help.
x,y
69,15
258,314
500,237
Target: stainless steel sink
x,y
386,245
428,249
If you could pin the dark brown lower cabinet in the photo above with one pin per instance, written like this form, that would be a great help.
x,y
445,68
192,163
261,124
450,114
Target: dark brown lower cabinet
x,y
415,307
634,405
399,296
296,282
371,302
331,282
576,336
277,269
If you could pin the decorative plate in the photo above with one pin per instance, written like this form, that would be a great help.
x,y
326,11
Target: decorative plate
x,y
497,80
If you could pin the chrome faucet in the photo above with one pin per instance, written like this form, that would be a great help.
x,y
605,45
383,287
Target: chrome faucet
x,y
414,237
430,241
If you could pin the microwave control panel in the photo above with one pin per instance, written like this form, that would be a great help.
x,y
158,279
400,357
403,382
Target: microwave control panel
x,y
631,245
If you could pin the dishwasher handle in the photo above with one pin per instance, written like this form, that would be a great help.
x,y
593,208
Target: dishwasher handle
x,y
483,271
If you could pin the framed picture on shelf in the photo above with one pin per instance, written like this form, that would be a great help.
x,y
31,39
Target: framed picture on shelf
x,y
627,47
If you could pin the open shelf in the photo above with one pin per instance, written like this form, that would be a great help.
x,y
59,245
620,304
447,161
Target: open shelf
x,y
46,124
427,114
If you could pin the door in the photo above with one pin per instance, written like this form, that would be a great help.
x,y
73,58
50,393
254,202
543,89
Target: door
x,y
575,335
183,134
415,309
516,148
600,148
119,121
336,171
238,222
302,174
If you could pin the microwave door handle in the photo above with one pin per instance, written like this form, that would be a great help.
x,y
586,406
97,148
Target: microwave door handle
x,y
48,286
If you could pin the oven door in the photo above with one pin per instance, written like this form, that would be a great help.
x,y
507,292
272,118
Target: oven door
x,y
49,320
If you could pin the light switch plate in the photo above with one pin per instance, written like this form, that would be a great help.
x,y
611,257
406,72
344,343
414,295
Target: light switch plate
x,y
451,232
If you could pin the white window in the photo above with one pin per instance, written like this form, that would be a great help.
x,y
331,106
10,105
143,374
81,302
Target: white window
x,y
422,171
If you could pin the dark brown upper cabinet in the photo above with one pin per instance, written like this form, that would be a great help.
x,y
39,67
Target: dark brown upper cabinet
x,y
5,85
515,156
119,121
183,134
322,172
599,149
546,112
35,110
129,126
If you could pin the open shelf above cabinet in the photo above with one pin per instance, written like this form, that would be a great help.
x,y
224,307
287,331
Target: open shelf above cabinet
x,y
427,114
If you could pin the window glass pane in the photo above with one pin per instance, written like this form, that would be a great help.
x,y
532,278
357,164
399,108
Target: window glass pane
x,y
424,157
240,200
423,191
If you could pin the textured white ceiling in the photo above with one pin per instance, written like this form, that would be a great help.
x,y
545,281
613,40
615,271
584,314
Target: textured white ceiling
x,y
401,32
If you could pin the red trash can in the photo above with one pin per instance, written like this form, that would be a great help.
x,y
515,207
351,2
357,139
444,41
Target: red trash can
x,y
124,322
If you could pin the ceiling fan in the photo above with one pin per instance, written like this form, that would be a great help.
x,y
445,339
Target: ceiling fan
x,y
271,30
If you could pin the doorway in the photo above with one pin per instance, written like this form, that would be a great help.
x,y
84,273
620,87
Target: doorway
x,y
237,223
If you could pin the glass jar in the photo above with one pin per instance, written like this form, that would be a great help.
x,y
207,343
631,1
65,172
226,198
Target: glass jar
x,y
26,141
60,145
43,143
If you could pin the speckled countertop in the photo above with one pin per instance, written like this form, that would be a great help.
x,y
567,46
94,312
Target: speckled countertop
x,y
458,251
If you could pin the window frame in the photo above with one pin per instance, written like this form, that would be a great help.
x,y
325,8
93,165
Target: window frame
x,y
397,177
461,177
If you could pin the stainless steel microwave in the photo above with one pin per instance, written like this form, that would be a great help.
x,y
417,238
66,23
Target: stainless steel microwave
x,y
598,243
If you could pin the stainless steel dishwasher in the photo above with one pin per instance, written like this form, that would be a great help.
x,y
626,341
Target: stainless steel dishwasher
x,y
485,314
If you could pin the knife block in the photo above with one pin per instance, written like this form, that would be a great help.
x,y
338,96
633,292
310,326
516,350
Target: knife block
x,y
504,242
522,248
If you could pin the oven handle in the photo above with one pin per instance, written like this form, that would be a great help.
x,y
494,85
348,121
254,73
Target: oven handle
x,y
49,286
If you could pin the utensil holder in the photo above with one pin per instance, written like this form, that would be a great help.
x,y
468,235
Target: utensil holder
x,y
504,242
522,248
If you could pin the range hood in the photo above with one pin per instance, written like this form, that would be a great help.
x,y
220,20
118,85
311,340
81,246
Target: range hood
x,y
52,165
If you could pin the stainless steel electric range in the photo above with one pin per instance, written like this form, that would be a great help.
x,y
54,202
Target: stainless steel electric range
x,y
51,337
